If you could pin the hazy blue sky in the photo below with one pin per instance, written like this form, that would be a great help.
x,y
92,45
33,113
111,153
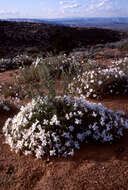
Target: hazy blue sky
x,y
63,8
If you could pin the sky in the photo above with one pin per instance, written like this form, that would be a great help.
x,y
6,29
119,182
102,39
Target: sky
x,y
63,8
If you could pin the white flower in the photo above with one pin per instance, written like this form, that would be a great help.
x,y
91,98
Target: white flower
x,y
45,122
87,133
94,95
78,121
74,113
76,144
66,135
55,137
95,127
52,152
91,81
71,114
81,137
88,94
94,114
79,90
87,86
120,132
19,144
71,153
90,90
91,76
75,105
100,82
54,120
80,113
27,152
68,144
71,128
38,153
67,116
102,121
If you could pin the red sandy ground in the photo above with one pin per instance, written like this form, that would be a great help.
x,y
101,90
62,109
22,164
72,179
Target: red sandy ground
x,y
94,167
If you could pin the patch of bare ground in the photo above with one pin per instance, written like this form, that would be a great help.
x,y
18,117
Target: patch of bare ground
x,y
94,166
7,76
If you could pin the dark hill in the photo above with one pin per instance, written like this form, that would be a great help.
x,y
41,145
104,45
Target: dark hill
x,y
20,37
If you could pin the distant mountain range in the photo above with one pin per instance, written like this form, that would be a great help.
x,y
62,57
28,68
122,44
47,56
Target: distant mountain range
x,y
120,23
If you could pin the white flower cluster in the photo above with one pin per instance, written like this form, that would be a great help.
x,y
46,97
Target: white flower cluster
x,y
39,130
100,82
122,64
16,62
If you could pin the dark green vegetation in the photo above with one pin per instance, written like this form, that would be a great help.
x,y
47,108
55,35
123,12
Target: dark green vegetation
x,y
36,38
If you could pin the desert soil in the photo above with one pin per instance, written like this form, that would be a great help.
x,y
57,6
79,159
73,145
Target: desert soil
x,y
94,167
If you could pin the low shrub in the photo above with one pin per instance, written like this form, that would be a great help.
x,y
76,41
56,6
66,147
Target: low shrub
x,y
15,62
100,82
124,45
58,126
121,64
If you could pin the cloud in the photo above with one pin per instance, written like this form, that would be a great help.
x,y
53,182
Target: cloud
x,y
70,4
62,2
104,8
77,8
101,3
69,8
9,13
67,2
91,8
97,8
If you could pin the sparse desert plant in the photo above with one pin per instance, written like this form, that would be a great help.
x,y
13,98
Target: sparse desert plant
x,y
43,75
17,90
57,66
28,75
57,127
9,90
23,59
5,64
124,45
62,63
